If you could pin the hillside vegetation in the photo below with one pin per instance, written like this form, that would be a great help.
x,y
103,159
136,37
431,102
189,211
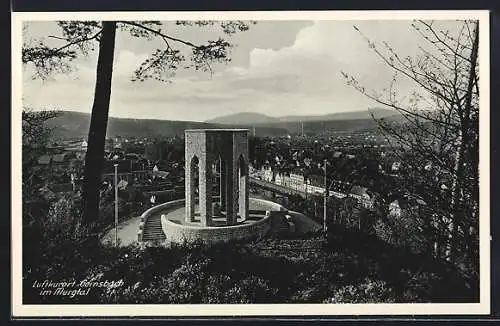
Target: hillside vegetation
x,y
347,267
76,125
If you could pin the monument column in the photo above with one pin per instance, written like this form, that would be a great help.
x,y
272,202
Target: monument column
x,y
243,185
205,196
230,190
222,182
190,189
234,182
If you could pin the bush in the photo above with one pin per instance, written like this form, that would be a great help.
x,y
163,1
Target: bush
x,y
63,220
224,289
250,290
402,232
369,291
419,287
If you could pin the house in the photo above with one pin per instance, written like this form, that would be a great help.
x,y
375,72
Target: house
x,y
159,174
362,196
45,160
116,156
420,202
59,158
405,204
396,166
132,156
337,154
268,174
251,169
340,186
278,179
46,193
286,180
316,184
395,209
122,185
297,180
84,145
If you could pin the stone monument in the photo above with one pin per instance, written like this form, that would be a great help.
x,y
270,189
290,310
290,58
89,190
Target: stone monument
x,y
228,150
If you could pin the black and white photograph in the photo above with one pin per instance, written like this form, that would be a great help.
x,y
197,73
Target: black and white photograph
x,y
250,163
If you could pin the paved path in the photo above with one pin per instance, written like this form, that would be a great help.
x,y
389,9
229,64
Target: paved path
x,y
304,224
127,232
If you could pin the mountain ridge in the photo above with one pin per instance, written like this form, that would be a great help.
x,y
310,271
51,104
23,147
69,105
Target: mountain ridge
x,y
251,118
244,118
347,115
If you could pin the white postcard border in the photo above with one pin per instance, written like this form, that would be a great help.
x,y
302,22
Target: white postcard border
x,y
21,310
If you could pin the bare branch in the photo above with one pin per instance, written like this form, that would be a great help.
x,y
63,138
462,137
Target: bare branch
x,y
352,82
441,41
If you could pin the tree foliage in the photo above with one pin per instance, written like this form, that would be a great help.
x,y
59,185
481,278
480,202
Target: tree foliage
x,y
439,137
81,37
36,134
35,139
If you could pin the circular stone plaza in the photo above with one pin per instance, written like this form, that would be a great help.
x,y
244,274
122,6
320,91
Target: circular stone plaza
x,y
203,216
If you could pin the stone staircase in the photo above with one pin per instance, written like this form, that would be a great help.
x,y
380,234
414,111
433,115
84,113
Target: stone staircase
x,y
279,224
152,229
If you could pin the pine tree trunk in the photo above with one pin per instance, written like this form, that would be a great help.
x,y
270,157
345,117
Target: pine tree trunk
x,y
94,159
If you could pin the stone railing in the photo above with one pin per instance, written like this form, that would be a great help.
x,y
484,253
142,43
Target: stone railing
x,y
265,205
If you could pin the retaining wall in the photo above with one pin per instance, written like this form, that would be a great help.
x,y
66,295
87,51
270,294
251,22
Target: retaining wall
x,y
177,233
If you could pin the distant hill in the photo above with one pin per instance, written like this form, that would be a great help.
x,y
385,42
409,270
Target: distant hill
x,y
70,124
351,115
326,126
244,118
313,124
250,118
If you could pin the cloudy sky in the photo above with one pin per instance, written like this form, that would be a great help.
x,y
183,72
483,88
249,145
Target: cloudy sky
x,y
278,68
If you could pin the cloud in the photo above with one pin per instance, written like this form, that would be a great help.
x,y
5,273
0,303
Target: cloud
x,y
297,77
311,67
126,62
270,83
323,49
